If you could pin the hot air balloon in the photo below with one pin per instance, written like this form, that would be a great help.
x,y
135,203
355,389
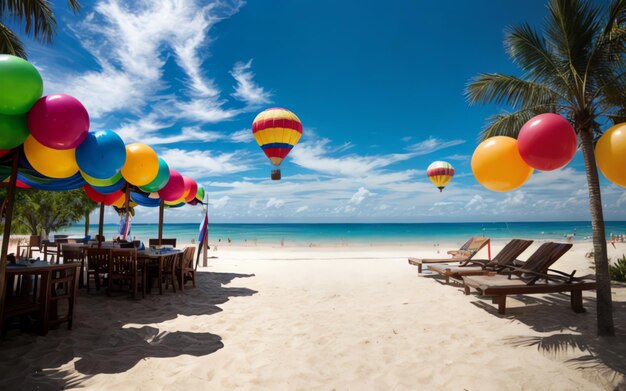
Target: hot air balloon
x,y
440,174
276,131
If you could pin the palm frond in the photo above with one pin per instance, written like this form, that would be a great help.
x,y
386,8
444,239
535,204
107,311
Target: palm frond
x,y
10,43
527,49
509,124
37,16
511,90
571,30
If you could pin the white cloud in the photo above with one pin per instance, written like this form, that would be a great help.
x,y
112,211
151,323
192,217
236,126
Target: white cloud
x,y
302,209
475,203
360,195
431,145
246,89
313,156
242,136
275,203
220,202
459,157
202,164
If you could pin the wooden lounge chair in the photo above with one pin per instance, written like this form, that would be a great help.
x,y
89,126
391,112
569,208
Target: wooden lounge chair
x,y
506,257
464,254
534,277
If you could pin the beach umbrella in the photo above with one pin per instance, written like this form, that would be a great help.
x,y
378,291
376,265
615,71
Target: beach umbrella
x,y
276,131
440,173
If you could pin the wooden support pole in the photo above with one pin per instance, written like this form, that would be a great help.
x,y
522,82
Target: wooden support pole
x,y
7,229
101,224
161,207
127,209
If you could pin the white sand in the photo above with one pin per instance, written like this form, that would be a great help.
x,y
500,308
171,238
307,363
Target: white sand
x,y
324,318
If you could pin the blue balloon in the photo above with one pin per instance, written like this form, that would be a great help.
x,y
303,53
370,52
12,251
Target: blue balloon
x,y
102,155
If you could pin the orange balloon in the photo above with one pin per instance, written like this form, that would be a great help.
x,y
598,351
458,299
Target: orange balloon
x,y
53,163
611,154
498,165
120,202
142,164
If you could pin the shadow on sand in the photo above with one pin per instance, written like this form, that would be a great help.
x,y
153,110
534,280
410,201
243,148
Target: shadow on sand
x,y
568,335
120,333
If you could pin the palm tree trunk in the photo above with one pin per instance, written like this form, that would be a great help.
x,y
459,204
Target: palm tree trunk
x,y
604,302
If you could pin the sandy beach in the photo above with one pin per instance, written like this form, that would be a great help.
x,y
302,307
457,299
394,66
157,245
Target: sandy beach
x,y
324,318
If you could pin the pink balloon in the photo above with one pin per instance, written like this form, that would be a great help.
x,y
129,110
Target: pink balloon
x,y
191,188
58,121
175,187
547,142
4,151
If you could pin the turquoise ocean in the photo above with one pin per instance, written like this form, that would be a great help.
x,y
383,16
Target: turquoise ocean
x,y
360,234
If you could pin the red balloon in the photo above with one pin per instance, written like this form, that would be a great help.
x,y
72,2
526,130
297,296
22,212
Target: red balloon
x,y
4,151
108,199
21,185
175,187
547,142
58,121
191,188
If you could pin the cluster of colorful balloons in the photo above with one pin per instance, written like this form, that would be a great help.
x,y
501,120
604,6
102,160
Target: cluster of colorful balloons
x,y
54,130
546,142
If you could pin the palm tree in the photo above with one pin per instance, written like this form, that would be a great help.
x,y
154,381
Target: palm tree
x,y
38,17
574,67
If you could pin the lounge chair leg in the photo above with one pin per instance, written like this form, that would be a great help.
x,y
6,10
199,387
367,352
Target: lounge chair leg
x,y
467,289
501,304
447,279
577,301
419,268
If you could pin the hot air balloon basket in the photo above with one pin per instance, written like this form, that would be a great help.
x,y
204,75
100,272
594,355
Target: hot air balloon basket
x,y
275,175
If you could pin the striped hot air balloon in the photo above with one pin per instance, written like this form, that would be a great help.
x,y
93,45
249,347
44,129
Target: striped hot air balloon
x,y
440,174
276,131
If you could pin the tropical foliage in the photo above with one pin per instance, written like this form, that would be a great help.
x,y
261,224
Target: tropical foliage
x,y
575,67
618,270
37,211
38,19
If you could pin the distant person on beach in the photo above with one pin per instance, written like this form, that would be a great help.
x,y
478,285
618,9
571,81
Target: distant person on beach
x,y
282,242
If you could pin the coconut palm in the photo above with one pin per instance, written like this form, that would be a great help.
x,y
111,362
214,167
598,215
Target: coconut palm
x,y
575,67
39,20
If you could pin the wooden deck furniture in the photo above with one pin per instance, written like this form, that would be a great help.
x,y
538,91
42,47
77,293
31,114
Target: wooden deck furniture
x,y
37,291
472,247
97,264
34,243
186,270
534,277
123,267
75,255
507,256
158,266
164,242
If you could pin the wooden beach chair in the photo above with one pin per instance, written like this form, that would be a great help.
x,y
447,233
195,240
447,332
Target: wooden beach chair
x,y
464,254
506,257
534,277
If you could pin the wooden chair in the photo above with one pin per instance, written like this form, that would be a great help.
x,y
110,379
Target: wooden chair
x,y
34,243
75,255
535,276
63,286
186,270
123,266
165,242
54,248
25,297
506,257
472,247
97,264
165,271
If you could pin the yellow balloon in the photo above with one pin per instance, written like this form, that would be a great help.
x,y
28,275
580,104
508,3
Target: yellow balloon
x,y
142,164
53,163
120,202
611,154
498,166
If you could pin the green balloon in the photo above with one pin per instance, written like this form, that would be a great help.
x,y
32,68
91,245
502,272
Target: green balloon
x,y
200,194
20,85
13,130
161,179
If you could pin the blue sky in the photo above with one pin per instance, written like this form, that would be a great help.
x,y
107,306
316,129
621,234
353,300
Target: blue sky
x,y
378,87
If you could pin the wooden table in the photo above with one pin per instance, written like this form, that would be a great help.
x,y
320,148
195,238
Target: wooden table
x,y
150,256
36,289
